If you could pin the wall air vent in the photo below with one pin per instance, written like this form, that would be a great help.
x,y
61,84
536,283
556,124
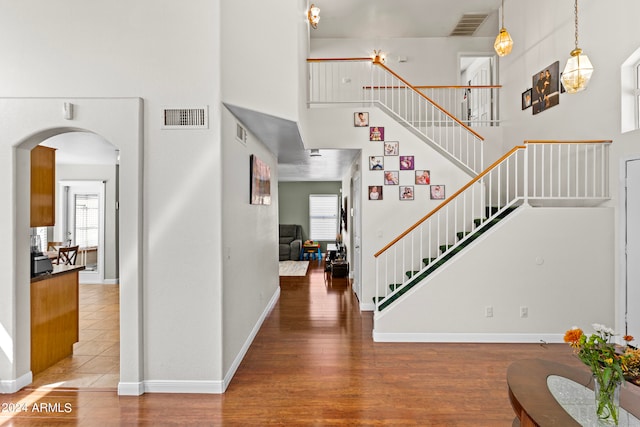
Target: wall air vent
x,y
241,133
185,118
468,24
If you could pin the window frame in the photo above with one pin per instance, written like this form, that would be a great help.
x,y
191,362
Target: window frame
x,y
323,217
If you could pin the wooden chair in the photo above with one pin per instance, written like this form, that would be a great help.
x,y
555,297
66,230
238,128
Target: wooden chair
x,y
67,255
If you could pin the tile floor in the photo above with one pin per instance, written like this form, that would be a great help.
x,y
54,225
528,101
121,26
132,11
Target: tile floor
x,y
95,362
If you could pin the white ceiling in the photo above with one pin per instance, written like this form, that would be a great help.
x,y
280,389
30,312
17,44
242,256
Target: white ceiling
x,y
83,148
400,18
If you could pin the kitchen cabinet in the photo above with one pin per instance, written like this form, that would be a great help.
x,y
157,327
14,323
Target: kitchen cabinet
x,y
43,183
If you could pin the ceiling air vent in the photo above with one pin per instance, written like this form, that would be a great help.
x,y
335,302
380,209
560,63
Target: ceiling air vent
x,y
185,118
468,24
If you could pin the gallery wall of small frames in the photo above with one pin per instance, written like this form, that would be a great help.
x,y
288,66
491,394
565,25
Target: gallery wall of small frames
x,y
392,177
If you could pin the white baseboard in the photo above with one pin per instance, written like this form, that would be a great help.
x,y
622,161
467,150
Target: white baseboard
x,y
201,387
130,389
467,337
13,386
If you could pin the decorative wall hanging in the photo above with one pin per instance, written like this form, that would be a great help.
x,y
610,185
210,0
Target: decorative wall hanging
x,y
391,178
376,163
375,192
376,133
406,192
437,192
546,91
391,148
423,177
406,163
361,119
526,99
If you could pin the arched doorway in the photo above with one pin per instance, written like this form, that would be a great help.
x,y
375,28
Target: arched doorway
x,y
33,121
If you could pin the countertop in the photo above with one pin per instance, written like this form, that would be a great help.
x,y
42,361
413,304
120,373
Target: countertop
x,y
58,270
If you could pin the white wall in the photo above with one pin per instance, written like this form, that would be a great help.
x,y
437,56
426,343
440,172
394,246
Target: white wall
x,y
124,49
432,61
550,260
385,219
250,242
608,35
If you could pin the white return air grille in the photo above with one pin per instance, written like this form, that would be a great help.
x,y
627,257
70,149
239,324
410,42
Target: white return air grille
x,y
185,118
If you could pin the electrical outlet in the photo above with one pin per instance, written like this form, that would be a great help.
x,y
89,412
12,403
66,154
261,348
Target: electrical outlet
x,y
524,312
488,311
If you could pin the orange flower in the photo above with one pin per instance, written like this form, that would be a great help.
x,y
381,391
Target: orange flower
x,y
627,338
572,336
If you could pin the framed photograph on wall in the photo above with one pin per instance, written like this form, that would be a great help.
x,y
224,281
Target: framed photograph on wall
x,y
423,177
406,163
376,163
376,133
391,178
437,192
546,90
391,148
526,99
375,192
406,192
259,181
361,119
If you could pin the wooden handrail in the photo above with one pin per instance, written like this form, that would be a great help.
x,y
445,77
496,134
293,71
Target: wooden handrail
x,y
336,59
428,99
375,62
432,87
460,87
584,141
449,199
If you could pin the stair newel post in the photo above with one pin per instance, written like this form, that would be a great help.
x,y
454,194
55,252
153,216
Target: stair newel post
x,y
377,302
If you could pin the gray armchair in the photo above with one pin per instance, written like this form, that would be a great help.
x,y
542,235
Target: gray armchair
x,y
290,242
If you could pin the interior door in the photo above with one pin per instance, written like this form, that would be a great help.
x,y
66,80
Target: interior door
x,y
632,237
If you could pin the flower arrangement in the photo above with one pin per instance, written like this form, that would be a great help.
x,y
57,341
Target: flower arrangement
x,y
607,362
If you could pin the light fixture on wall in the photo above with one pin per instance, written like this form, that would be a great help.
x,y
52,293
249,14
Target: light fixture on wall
x,y
578,71
313,15
378,56
503,43
315,152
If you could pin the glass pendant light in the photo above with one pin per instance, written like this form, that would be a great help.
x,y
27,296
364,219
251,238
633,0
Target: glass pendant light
x,y
578,71
503,43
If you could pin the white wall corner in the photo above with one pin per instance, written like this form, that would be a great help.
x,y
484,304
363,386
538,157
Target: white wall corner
x,y
13,386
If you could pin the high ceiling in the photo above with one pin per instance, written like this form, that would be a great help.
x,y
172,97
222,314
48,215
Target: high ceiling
x,y
401,18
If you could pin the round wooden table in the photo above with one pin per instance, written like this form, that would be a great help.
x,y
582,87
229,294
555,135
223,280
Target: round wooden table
x,y
534,404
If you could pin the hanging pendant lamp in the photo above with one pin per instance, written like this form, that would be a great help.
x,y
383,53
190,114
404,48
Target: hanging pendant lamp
x,y
578,71
503,43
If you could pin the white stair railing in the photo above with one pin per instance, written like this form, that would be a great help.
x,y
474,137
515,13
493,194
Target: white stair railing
x,y
362,81
547,173
475,106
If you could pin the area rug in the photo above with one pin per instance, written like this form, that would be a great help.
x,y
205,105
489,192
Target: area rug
x,y
293,268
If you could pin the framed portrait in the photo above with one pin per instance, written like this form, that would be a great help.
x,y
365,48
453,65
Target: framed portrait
x,y
423,177
391,178
376,163
526,99
376,133
406,192
406,163
375,192
361,119
391,148
437,192
344,215
259,181
545,92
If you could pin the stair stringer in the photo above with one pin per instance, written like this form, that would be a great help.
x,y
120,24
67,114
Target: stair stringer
x,y
539,258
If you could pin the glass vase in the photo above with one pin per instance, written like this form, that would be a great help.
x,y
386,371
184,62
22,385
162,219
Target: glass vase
x,y
607,394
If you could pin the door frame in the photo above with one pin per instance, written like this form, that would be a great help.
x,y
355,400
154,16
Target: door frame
x,y
621,300
65,209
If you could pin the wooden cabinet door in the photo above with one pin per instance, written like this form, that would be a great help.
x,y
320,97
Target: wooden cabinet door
x,y
43,171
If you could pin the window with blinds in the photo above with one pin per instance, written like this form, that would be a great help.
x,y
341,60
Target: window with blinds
x,y
87,228
323,216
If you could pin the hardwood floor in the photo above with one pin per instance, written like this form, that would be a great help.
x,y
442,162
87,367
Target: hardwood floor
x,y
314,363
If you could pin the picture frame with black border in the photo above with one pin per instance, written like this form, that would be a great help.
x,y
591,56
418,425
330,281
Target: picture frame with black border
x,y
526,99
